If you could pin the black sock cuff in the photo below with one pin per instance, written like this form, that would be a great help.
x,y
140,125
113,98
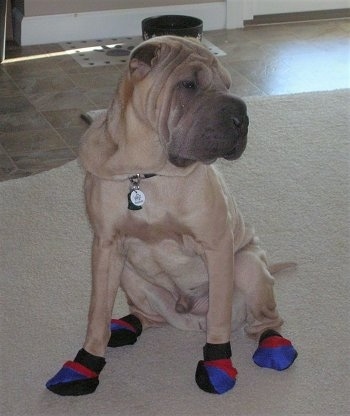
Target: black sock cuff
x,y
90,361
135,322
217,351
269,333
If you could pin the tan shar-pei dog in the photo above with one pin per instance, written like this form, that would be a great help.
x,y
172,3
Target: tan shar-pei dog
x,y
165,228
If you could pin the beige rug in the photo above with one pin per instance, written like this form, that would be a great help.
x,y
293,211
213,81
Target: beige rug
x,y
292,183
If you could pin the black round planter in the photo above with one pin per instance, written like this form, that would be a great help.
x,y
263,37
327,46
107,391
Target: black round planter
x,y
175,25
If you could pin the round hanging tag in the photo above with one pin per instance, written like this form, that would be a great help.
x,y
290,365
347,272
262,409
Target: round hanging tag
x,y
137,197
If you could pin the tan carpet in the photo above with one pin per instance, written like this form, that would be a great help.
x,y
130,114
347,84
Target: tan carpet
x,y
292,183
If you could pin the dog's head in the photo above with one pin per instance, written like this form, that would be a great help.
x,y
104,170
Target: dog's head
x,y
172,105
185,94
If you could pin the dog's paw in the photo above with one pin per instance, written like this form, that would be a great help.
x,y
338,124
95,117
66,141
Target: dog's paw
x,y
274,352
124,331
73,380
217,376
77,377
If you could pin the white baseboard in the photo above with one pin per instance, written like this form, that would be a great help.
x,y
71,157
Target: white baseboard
x,y
111,23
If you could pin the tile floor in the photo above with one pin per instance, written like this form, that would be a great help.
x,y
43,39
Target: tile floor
x,y
41,99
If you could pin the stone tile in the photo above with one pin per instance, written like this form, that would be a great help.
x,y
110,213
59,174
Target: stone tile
x,y
61,100
319,70
32,68
25,143
46,84
306,46
8,88
72,136
14,174
344,25
267,33
293,73
243,51
26,121
63,119
6,167
101,97
3,75
14,104
236,39
41,161
328,29
313,73
15,51
97,79
241,86
67,64
222,37
335,49
50,48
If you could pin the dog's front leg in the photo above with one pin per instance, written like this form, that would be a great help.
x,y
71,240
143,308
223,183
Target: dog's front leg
x,y
215,374
81,376
220,271
107,266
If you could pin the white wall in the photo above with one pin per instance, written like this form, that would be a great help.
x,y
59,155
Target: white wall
x,y
111,23
49,7
217,14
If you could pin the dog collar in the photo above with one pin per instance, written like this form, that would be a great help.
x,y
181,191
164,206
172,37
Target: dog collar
x,y
140,176
136,198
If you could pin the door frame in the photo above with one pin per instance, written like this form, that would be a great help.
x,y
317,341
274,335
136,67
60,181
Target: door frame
x,y
3,18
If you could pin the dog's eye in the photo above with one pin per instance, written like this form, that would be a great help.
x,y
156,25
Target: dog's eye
x,y
189,85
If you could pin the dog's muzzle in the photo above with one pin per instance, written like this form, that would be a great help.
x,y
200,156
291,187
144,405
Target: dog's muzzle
x,y
219,130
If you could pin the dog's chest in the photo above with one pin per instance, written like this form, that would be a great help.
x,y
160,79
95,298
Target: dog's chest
x,y
169,259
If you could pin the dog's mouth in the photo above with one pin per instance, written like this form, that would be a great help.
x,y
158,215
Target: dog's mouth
x,y
180,162
209,157
237,150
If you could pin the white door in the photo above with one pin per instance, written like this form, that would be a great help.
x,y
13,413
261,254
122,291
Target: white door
x,y
240,10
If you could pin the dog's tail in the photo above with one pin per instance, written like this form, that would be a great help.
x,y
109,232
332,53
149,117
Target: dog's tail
x,y
279,267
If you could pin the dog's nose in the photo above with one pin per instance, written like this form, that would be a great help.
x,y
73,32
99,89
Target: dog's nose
x,y
240,122
237,121
235,112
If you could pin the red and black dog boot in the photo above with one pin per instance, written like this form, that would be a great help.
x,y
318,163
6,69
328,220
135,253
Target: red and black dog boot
x,y
77,377
274,351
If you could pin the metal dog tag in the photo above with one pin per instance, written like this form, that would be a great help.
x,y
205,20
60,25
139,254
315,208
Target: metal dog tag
x,y
137,197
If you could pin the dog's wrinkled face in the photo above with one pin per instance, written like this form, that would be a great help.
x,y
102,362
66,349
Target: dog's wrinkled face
x,y
184,91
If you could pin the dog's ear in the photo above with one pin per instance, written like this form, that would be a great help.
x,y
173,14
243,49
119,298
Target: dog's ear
x,y
142,59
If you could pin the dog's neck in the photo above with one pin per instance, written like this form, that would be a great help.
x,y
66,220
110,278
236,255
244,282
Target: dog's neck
x,y
168,170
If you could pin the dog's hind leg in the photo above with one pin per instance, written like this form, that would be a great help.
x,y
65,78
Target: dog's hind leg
x,y
254,280
125,331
